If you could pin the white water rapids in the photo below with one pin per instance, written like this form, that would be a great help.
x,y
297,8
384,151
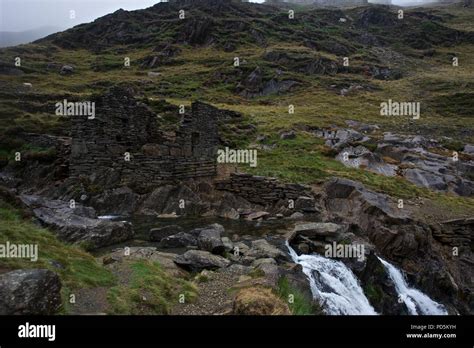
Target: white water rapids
x,y
416,301
340,293
334,285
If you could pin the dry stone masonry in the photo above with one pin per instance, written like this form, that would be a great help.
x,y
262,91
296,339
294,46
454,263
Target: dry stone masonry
x,y
124,125
262,190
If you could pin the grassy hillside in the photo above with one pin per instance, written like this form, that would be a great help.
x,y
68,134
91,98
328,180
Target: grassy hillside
x,y
195,61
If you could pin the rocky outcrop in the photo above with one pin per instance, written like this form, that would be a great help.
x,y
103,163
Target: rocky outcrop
x,y
261,249
162,54
178,240
307,238
78,224
30,292
303,63
256,85
376,16
456,232
198,260
119,201
339,138
210,240
379,288
424,162
158,233
409,243
167,199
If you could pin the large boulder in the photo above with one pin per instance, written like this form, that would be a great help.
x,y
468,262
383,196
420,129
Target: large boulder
x,y
319,230
425,178
198,260
261,249
30,292
210,240
339,138
314,236
76,225
66,70
178,240
361,157
158,233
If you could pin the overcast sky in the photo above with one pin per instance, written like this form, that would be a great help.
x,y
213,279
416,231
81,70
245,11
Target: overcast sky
x,y
20,15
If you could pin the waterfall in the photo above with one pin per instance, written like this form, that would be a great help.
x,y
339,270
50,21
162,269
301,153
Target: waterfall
x,y
416,301
334,285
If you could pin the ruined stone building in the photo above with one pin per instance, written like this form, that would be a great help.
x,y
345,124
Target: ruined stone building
x,y
124,125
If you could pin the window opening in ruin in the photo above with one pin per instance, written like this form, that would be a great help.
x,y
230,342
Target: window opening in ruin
x,y
195,138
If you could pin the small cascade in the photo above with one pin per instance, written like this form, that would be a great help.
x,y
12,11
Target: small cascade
x,y
416,301
334,284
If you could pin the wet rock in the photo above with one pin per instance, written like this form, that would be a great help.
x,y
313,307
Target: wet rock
x,y
379,288
257,215
315,230
228,245
198,260
165,200
262,249
158,233
119,201
303,248
229,213
30,292
231,205
179,240
71,225
210,240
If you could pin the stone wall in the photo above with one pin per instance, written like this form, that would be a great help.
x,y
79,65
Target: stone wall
x,y
262,190
124,125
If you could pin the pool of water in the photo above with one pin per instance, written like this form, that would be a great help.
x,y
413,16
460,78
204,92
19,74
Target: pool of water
x,y
143,224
